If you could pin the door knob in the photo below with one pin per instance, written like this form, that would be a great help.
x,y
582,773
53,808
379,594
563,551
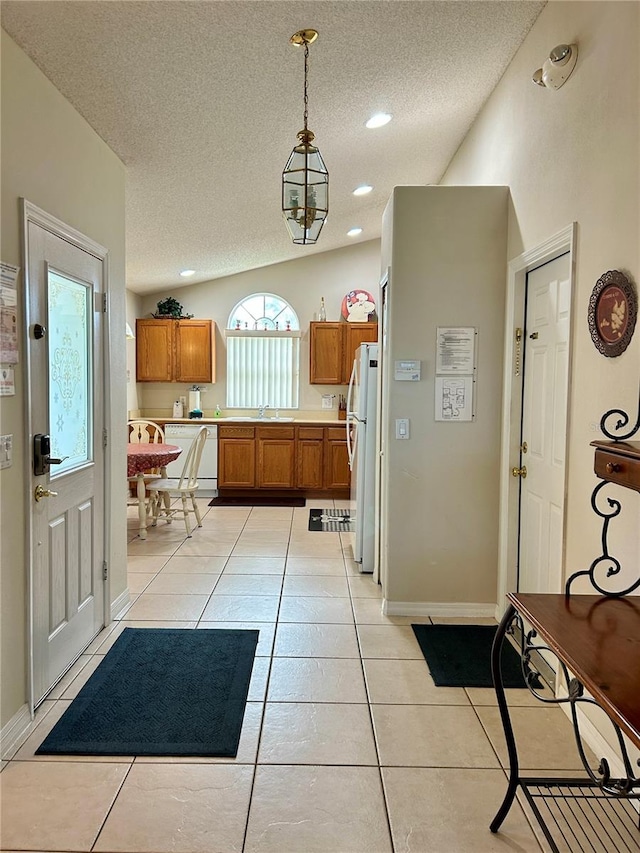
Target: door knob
x,y
41,492
519,472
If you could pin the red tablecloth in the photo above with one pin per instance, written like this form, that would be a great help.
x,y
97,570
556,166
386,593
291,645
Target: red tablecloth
x,y
143,457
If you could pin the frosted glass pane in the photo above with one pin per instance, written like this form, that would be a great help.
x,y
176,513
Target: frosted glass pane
x,y
70,371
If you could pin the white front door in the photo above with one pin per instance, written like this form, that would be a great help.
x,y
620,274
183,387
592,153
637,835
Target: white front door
x,y
544,422
65,287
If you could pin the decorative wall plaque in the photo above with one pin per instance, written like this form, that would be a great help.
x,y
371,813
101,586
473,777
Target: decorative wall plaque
x,y
613,309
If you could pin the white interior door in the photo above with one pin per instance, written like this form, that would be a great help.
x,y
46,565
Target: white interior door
x,y
544,423
65,287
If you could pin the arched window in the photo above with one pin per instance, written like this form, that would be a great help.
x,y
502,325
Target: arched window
x,y
263,354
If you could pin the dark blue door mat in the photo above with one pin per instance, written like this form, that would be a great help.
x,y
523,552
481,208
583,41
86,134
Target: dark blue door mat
x,y
460,656
334,520
161,691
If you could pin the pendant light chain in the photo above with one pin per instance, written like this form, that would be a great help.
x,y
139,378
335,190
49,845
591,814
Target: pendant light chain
x,y
306,83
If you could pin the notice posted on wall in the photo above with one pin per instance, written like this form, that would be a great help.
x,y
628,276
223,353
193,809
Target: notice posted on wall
x,y
455,349
454,398
8,313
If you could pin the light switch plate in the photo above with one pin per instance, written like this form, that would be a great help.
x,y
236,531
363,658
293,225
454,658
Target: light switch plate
x,y
402,428
6,450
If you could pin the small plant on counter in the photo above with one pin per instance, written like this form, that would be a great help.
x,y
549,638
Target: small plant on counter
x,y
170,307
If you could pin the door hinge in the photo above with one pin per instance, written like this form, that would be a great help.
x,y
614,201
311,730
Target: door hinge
x,y
105,438
104,303
105,570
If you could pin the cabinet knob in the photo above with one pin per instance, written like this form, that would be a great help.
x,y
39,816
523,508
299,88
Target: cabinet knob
x,y
612,467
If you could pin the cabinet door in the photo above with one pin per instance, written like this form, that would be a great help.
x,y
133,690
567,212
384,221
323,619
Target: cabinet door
x,y
276,463
194,351
356,334
310,464
154,350
326,354
336,469
236,463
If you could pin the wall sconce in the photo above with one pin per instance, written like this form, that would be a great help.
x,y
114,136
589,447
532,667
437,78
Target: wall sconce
x,y
557,69
129,332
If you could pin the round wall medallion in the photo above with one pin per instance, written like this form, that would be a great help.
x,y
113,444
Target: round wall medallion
x,y
613,309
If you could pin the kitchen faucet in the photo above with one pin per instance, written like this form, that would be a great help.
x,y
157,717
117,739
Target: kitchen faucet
x,y
261,411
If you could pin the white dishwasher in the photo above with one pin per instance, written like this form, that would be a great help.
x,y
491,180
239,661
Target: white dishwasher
x,y
182,435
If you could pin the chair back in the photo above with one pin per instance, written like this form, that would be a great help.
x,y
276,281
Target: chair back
x,y
145,432
189,477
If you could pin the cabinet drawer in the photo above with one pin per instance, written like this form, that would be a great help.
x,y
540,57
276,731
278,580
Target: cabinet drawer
x,y
310,432
236,432
276,432
624,470
336,433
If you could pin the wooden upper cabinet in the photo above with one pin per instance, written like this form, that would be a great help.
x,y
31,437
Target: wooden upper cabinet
x,y
175,350
154,350
332,350
194,348
327,354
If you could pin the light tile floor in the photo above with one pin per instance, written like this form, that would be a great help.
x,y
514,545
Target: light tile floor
x,y
347,745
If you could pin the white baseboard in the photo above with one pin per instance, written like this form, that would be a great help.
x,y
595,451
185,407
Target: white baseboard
x,y
437,608
12,734
121,602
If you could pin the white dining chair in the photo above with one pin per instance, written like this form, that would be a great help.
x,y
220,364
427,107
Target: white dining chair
x,y
143,432
163,491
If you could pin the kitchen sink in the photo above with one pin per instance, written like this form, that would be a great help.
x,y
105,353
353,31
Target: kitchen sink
x,y
255,418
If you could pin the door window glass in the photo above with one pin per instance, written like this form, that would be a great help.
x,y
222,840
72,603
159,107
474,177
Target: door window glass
x,y
70,371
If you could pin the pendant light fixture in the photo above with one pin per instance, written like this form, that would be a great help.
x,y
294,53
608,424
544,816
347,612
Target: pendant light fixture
x,y
305,180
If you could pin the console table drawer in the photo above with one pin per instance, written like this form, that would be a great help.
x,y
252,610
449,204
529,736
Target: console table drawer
x,y
616,467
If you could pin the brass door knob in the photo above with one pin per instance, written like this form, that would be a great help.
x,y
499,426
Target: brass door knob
x,y
41,492
519,472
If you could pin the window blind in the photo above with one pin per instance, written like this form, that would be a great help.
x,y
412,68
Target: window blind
x,y
263,369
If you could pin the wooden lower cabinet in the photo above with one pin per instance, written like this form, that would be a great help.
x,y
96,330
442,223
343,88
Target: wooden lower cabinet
x,y
276,452
310,458
283,458
336,469
236,457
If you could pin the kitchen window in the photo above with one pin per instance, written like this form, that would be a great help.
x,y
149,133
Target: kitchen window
x,y
263,354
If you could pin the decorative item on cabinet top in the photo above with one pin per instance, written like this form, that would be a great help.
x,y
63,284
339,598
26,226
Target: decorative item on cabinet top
x,y
170,307
359,306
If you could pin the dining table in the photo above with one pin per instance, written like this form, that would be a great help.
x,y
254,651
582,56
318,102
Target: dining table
x,y
141,458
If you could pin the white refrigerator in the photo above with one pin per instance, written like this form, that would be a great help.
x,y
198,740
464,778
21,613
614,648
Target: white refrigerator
x,y
361,444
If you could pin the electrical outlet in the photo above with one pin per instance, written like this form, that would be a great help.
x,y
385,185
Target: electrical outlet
x,y
327,401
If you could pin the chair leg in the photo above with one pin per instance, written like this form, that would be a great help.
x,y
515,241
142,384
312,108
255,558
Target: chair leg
x,y
195,508
167,504
153,507
185,510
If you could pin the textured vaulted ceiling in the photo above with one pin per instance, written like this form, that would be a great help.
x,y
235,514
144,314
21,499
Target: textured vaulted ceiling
x,y
202,102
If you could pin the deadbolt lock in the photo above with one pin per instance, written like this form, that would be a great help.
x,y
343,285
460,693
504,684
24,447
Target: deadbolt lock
x,y
519,472
41,492
524,447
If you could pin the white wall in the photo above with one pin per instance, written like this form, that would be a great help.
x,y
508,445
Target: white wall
x,y
54,159
574,155
301,282
446,248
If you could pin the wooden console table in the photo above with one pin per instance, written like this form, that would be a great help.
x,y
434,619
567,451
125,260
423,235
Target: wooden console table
x,y
596,640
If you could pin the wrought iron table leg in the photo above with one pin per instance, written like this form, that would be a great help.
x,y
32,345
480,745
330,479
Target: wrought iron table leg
x,y
506,720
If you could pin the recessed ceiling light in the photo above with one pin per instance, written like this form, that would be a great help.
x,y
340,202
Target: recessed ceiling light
x,y
362,190
353,232
378,120
187,273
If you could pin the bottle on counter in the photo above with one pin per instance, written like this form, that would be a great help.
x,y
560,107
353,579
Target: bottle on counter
x,y
218,412
322,314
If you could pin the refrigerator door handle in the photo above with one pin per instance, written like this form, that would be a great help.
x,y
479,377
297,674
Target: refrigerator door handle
x,y
352,380
350,424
